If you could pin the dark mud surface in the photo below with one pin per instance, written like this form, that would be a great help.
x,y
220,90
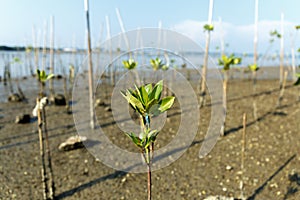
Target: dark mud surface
x,y
272,157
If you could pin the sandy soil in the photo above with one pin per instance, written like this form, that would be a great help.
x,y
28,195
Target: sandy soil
x,y
272,157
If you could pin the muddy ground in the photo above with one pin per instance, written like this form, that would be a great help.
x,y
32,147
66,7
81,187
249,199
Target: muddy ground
x,y
272,159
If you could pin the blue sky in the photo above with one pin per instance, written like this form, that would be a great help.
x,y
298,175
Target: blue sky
x,y
18,17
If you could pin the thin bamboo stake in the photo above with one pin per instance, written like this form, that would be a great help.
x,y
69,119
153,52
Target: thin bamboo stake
x,y
44,47
51,185
243,156
225,81
254,75
51,54
281,53
42,151
91,90
123,30
204,69
110,51
282,90
35,49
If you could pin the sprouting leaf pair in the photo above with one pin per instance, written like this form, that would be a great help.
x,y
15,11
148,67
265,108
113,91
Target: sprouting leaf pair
x,y
145,139
42,76
158,64
226,61
208,27
253,67
129,64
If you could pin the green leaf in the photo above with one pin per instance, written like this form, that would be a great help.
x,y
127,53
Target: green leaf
x,y
298,81
297,27
129,64
49,76
148,88
166,103
144,95
253,67
136,140
156,92
208,27
136,104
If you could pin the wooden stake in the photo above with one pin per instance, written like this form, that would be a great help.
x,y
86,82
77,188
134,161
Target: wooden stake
x,y
91,82
243,156
222,133
281,53
204,69
51,54
51,185
42,152
282,90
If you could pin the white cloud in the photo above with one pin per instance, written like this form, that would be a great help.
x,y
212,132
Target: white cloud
x,y
239,37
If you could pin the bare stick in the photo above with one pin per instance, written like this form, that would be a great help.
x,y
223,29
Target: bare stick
x,y
281,53
282,90
255,58
204,69
48,152
91,90
222,133
42,151
44,47
243,156
51,54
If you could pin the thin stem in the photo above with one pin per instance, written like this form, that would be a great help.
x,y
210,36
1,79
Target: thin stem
x,y
282,90
51,180
42,153
91,89
224,101
243,155
149,175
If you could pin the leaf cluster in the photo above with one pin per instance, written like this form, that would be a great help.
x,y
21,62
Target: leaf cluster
x,y
227,61
208,27
130,64
146,100
275,34
157,64
42,76
253,67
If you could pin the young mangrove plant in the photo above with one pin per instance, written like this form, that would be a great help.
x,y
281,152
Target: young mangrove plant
x,y
158,64
254,68
227,62
207,28
42,78
298,83
40,112
147,102
131,65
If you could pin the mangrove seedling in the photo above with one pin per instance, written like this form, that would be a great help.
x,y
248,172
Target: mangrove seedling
x,y
202,85
227,62
254,68
131,65
42,78
208,27
45,154
147,102
157,64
